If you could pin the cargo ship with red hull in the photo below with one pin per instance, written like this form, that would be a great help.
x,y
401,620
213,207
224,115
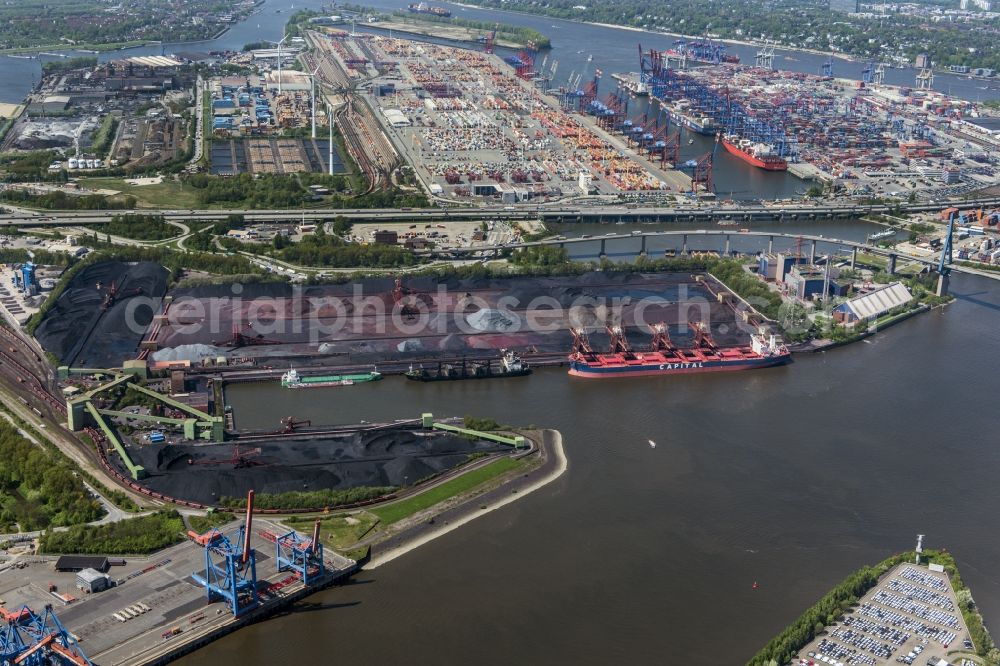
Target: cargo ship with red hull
x,y
664,358
759,155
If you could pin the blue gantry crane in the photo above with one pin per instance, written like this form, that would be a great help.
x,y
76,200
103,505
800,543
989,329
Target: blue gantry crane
x,y
733,117
30,639
303,556
868,73
703,50
233,578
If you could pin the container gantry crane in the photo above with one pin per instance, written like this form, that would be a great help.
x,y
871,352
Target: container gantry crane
x,y
30,639
490,40
234,578
302,555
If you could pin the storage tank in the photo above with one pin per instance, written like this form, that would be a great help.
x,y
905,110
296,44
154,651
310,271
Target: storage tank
x,y
98,164
74,163
90,164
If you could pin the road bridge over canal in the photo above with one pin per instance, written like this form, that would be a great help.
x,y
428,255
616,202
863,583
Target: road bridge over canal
x,y
725,246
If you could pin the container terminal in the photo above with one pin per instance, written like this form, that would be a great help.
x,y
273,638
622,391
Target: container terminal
x,y
476,126
473,125
866,137
151,610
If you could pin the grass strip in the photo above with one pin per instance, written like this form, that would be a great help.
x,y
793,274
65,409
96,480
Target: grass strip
x,y
404,508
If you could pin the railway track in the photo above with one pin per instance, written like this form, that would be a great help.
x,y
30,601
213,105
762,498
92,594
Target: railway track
x,y
12,353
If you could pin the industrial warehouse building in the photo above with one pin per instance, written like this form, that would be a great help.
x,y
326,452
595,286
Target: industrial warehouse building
x,y
396,118
872,305
775,266
806,281
91,580
81,562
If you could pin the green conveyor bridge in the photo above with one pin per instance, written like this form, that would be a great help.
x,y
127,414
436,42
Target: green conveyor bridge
x,y
81,411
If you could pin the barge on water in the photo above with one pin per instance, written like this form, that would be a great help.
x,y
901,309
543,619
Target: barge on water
x,y
511,365
292,379
664,358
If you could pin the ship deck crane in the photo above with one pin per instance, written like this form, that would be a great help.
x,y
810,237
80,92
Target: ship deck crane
x,y
702,335
661,338
619,343
581,344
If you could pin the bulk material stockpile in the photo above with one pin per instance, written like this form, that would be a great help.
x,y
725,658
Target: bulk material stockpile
x,y
94,321
382,458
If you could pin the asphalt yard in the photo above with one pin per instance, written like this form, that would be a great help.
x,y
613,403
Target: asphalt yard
x,y
910,617
158,592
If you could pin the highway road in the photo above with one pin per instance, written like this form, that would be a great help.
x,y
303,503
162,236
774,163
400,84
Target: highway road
x,y
547,213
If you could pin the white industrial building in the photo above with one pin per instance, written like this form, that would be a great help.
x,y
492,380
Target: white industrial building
x,y
873,304
396,118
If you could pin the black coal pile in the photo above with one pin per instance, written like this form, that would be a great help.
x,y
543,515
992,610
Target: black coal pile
x,y
103,313
205,473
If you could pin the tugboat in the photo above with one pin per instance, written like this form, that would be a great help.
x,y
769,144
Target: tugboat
x,y
511,365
